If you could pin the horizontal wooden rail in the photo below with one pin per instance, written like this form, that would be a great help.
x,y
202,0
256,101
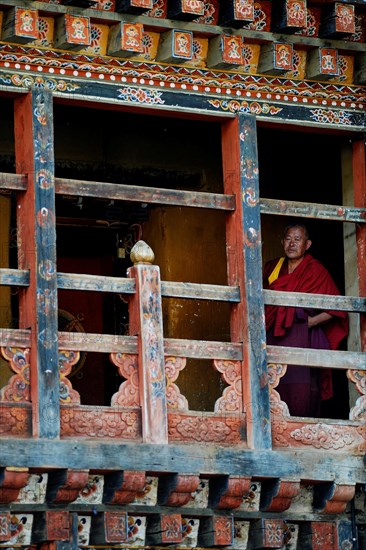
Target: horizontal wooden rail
x,y
317,358
201,291
150,195
98,283
313,210
316,301
110,343
14,277
13,182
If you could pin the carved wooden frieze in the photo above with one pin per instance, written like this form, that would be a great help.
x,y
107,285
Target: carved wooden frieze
x,y
99,422
226,429
122,487
15,420
177,489
12,480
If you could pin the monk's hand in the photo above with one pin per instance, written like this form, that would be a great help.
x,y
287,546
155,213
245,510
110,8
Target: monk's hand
x,y
319,319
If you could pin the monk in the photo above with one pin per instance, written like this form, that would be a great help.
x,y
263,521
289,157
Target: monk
x,y
302,388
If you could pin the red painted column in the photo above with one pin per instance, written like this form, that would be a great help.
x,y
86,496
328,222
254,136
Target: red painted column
x,y
33,123
146,322
359,182
244,258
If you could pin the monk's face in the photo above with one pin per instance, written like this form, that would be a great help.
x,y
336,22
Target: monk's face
x,y
295,243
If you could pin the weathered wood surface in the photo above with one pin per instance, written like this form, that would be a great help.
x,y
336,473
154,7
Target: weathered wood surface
x,y
13,182
206,30
15,338
146,323
313,210
36,236
103,343
72,281
317,358
14,277
150,195
200,291
205,459
198,349
359,175
316,301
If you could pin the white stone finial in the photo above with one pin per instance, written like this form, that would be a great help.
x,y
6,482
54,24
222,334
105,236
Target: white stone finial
x,y
141,253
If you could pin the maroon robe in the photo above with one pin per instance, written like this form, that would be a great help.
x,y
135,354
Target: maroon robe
x,y
288,326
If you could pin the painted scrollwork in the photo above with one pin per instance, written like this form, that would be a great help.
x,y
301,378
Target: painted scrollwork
x,y
128,393
18,387
358,377
66,360
173,366
232,397
275,373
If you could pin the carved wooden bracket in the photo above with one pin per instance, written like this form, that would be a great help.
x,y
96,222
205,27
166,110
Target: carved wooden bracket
x,y
177,489
65,485
227,492
11,481
18,388
122,487
358,377
128,393
173,366
232,397
277,494
332,498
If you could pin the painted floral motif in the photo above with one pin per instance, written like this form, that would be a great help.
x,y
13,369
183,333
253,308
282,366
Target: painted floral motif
x,y
210,13
158,10
236,106
326,116
140,95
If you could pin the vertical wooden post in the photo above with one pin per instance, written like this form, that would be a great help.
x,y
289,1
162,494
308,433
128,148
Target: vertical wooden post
x,y
146,322
244,256
359,182
37,252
